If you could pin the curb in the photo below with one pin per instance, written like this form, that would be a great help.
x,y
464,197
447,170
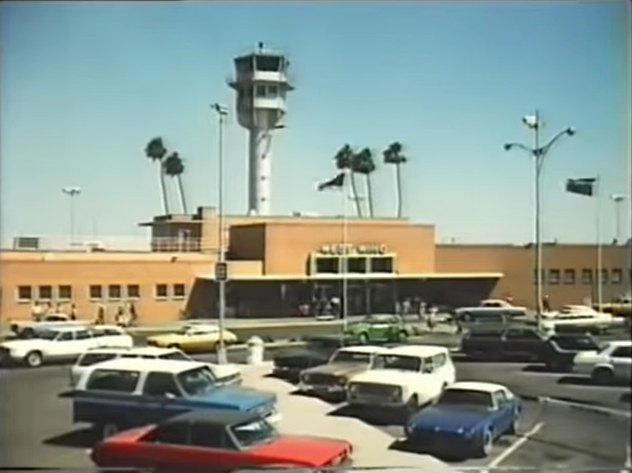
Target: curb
x,y
577,405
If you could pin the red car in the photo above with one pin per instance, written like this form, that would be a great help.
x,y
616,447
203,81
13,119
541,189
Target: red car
x,y
218,441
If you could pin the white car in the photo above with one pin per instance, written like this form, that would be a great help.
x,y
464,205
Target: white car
x,y
62,343
228,375
612,362
404,377
28,328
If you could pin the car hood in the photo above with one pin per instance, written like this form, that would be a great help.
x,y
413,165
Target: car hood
x,y
303,450
23,344
166,338
448,419
338,369
386,376
357,326
243,399
224,371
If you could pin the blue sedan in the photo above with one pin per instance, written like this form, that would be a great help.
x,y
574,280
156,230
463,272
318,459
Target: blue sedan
x,y
466,419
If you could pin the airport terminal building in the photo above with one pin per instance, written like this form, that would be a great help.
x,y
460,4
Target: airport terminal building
x,y
280,266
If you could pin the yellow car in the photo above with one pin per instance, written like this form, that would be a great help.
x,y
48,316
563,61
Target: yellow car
x,y
193,339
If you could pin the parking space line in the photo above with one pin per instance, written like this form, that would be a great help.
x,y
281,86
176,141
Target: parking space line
x,y
513,447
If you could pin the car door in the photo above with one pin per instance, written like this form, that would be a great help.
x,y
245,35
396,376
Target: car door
x,y
211,445
503,414
168,449
83,341
621,359
201,340
61,346
521,342
378,330
161,398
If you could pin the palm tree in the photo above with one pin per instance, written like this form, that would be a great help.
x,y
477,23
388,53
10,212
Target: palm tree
x,y
363,163
174,167
393,155
344,161
156,151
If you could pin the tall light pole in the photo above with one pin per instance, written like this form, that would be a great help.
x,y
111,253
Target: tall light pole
x,y
72,192
220,269
618,200
538,153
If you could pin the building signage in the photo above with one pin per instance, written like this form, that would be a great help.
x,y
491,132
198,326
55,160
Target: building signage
x,y
350,248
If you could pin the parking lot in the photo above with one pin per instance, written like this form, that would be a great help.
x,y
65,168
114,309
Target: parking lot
x,y
36,429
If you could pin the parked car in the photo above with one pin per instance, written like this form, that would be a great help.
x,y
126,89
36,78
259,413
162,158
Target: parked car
x,y
403,378
379,328
125,393
228,375
28,328
213,440
619,307
331,379
289,363
495,309
501,342
61,344
194,338
579,319
612,362
559,351
467,418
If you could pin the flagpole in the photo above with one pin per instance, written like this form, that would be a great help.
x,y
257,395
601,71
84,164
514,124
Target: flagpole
x,y
345,237
598,237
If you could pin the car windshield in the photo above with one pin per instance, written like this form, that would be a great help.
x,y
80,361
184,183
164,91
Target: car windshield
x,y
466,397
344,356
254,433
577,343
45,334
398,362
197,381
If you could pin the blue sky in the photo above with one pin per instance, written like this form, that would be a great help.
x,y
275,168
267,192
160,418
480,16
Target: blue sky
x,y
84,86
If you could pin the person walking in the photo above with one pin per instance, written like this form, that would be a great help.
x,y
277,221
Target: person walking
x,y
100,316
73,311
546,303
37,311
132,314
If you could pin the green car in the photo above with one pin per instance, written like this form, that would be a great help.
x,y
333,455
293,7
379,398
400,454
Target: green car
x,y
378,328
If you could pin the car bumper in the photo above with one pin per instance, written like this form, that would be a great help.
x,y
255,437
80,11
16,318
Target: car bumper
x,y
323,389
366,401
286,371
451,442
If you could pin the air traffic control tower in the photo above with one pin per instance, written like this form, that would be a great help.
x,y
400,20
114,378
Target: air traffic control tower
x,y
261,84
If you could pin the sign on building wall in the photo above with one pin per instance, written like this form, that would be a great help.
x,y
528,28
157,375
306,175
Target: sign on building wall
x,y
350,248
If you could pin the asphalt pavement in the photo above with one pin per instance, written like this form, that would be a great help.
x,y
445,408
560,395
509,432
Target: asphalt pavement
x,y
36,431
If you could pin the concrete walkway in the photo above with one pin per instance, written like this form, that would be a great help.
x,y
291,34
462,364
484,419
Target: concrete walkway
x,y
309,416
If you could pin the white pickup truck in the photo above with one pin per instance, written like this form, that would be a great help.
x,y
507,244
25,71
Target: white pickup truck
x,y
62,343
490,309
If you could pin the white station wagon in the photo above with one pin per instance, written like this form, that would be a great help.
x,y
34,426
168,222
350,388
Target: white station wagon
x,y
62,344
227,375
405,377
612,363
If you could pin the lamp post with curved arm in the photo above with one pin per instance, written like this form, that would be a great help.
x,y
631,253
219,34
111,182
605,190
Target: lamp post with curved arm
x,y
538,153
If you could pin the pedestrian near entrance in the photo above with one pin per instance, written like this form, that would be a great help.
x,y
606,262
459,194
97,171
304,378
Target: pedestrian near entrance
x,y
73,311
37,311
546,304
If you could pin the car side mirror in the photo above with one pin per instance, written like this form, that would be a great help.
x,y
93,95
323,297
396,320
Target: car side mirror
x,y
170,396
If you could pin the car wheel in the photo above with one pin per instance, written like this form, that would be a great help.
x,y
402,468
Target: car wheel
x,y
412,406
603,375
109,429
33,359
363,338
515,424
402,336
487,444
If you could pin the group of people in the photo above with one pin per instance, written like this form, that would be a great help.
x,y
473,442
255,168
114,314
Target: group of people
x,y
124,316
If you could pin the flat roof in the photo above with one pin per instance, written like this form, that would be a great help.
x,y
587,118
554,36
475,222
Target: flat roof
x,y
325,277
476,386
148,364
147,350
214,417
364,349
417,350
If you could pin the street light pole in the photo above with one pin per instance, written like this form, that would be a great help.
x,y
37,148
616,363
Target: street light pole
x,y
345,255
618,200
72,192
222,111
538,153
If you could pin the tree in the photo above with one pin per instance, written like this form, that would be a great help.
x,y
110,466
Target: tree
x,y
363,163
344,161
393,155
156,151
174,167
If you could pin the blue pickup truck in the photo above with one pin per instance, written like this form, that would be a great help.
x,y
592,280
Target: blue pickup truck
x,y
126,393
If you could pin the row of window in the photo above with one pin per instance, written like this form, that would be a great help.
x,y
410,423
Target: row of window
x,y
97,292
260,90
587,276
334,265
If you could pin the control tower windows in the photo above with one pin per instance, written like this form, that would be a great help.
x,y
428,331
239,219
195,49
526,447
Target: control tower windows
x,y
268,63
381,264
327,265
244,65
272,91
260,91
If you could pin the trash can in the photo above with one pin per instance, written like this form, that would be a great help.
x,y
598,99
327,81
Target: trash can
x,y
255,350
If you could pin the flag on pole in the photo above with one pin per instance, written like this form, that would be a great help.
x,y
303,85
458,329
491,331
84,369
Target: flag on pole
x,y
336,182
582,186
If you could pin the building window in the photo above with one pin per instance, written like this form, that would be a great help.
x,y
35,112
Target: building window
x,y
64,292
617,276
604,276
25,293
327,265
569,276
356,265
45,293
587,276
96,292
161,291
272,91
179,291
554,276
133,291
260,91
114,292
381,264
